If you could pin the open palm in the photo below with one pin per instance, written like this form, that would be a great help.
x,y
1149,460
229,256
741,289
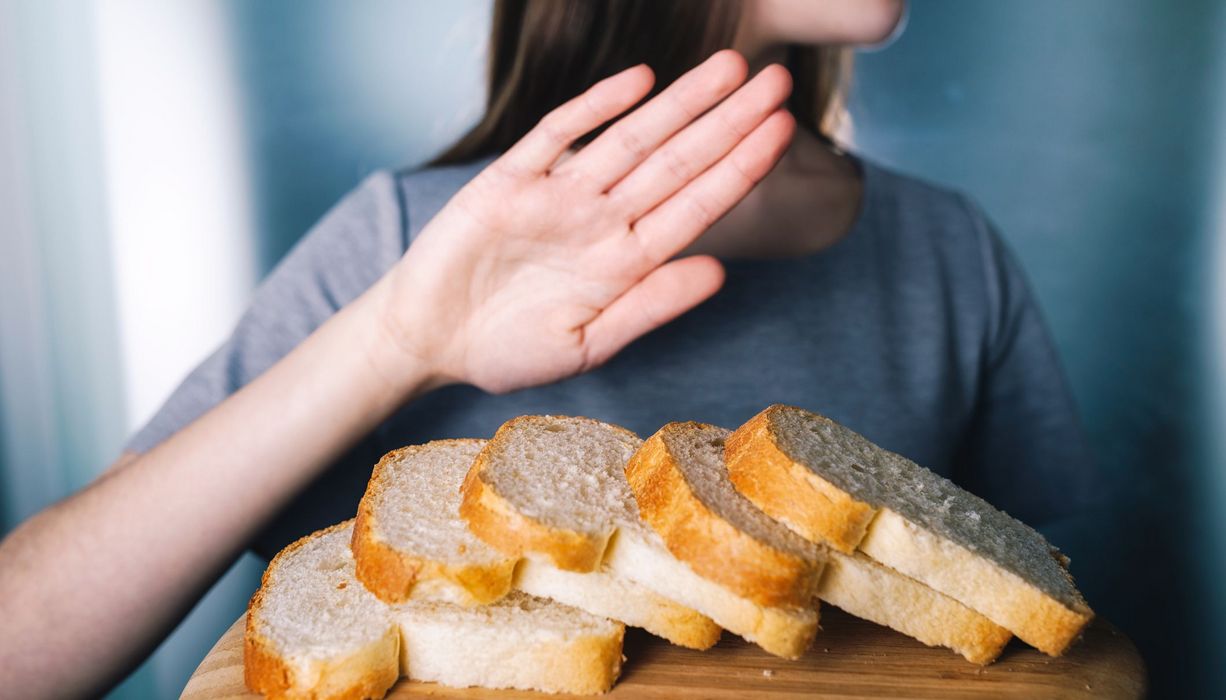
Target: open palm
x,y
544,266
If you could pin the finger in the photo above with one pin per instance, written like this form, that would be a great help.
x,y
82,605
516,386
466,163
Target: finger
x,y
556,131
701,144
634,137
675,224
664,294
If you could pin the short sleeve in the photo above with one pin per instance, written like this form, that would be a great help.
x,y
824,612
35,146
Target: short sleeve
x,y
335,262
1024,450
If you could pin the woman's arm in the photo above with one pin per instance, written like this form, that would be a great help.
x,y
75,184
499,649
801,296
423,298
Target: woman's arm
x,y
538,269
1024,449
89,586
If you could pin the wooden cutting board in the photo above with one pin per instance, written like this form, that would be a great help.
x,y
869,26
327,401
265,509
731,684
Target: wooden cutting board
x,y
851,658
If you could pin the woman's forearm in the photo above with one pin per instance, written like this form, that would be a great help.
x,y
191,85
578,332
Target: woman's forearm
x,y
101,577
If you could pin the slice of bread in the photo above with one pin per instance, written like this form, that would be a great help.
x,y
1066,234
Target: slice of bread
x,y
554,489
875,592
682,490
831,485
410,544
681,483
313,631
408,541
751,574
640,555
607,594
520,641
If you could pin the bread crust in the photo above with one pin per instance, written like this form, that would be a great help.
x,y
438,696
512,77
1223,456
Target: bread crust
x,y
715,548
790,492
500,525
600,665
392,574
264,671
783,632
366,673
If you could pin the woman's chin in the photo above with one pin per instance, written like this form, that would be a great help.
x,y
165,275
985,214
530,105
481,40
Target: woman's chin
x,y
880,20
837,22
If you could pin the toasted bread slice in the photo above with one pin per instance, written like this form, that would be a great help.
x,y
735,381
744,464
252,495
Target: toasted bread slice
x,y
831,485
408,539
314,631
554,489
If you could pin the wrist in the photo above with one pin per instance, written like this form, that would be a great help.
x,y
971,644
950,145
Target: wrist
x,y
393,347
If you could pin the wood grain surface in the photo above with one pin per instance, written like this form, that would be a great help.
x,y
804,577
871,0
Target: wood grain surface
x,y
851,658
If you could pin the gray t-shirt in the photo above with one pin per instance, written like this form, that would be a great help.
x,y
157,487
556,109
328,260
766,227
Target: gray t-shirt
x,y
917,330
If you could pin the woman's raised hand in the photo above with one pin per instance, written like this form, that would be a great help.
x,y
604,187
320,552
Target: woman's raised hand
x,y
544,266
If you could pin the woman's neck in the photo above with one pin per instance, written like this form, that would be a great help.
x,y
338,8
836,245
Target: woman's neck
x,y
808,202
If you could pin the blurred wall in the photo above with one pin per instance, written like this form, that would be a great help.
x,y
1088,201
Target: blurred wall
x,y
332,91
1092,134
158,158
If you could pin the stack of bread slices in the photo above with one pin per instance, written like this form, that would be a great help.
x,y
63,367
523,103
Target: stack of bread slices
x,y
516,562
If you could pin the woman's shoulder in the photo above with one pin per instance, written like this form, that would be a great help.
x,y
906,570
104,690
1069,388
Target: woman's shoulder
x,y
913,204
935,234
922,221
381,214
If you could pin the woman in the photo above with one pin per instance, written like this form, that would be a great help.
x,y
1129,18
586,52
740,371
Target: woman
x,y
661,268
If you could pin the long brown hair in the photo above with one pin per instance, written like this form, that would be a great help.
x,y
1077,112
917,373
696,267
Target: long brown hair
x,y
544,52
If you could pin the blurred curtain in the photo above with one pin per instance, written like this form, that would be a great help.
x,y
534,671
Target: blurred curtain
x,y
126,249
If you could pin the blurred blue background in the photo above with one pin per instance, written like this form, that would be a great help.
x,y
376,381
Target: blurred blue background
x,y
157,158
